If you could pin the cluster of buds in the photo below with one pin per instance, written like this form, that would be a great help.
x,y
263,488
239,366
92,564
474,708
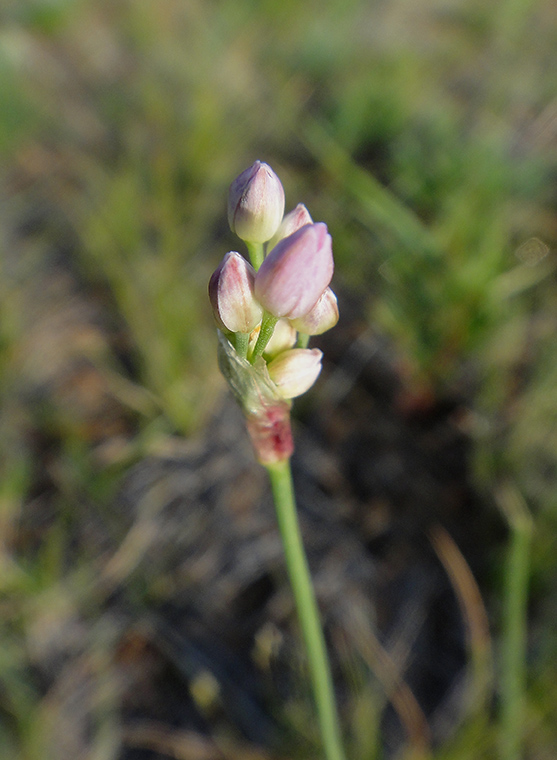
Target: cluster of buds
x,y
267,309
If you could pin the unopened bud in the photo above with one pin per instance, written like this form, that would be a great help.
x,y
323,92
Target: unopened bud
x,y
231,293
321,318
295,371
283,337
256,204
292,222
294,275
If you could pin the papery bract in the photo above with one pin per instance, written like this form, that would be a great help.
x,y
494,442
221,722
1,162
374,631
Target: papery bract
x,y
256,203
231,293
291,222
266,411
321,318
295,371
271,433
295,273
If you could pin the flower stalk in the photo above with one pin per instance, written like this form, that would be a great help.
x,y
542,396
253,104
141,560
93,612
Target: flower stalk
x,y
288,287
265,334
256,253
306,606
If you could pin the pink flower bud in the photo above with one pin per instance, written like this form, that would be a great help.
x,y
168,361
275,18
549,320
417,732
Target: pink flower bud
x,y
321,318
295,371
231,294
294,275
256,204
292,222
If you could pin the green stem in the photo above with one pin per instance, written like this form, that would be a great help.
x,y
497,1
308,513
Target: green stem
x,y
302,341
308,614
256,253
241,343
267,327
513,672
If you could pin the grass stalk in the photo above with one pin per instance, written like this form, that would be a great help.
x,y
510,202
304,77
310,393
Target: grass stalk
x,y
513,659
306,605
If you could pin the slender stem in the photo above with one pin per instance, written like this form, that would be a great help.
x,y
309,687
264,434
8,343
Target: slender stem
x,y
308,613
513,674
256,253
267,327
241,343
302,341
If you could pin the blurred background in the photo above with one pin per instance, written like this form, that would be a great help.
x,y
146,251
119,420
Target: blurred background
x,y
144,612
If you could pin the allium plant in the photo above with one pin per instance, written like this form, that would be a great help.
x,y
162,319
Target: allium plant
x,y
265,312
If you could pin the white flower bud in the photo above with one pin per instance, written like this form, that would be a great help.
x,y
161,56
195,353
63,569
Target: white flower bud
x,y
283,338
295,371
321,318
256,204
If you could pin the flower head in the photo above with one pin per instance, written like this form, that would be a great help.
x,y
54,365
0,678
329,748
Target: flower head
x,y
256,203
231,294
294,275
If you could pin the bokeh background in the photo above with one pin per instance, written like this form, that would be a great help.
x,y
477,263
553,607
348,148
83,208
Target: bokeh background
x,y
135,621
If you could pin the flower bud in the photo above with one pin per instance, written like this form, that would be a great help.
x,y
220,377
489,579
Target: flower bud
x,y
321,318
294,275
295,371
283,337
256,204
231,294
292,222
